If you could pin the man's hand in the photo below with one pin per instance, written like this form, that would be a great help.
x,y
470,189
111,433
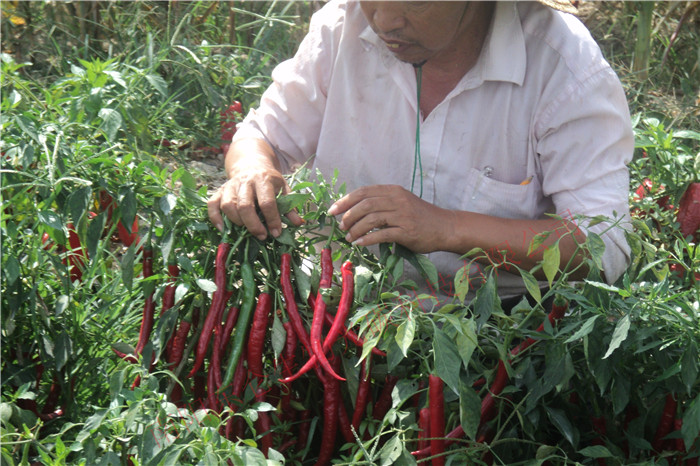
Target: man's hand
x,y
388,213
254,182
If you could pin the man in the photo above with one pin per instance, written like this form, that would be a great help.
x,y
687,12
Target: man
x,y
519,115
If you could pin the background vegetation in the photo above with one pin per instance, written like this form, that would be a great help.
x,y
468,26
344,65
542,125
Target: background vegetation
x,y
125,100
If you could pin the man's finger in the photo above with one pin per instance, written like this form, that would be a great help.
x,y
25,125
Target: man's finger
x,y
214,210
267,201
248,212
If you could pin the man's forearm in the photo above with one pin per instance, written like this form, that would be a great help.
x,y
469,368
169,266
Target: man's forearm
x,y
512,238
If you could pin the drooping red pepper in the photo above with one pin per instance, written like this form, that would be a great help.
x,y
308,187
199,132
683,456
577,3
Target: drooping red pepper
x,y
263,425
384,400
601,429
216,307
344,424
689,212
149,306
304,429
127,238
231,116
320,312
436,400
364,393
424,433
344,306
668,415
229,324
331,399
217,350
256,336
169,292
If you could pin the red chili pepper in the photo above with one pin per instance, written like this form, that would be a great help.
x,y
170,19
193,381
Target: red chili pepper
x,y
263,426
384,401
52,397
127,238
125,357
559,308
200,389
668,416
257,333
331,399
320,311
344,424
601,429
303,429
217,349
424,433
169,292
212,400
436,400
346,297
176,353
231,319
240,379
215,309
149,306
77,256
689,212
488,405
290,302
364,393
287,362
230,116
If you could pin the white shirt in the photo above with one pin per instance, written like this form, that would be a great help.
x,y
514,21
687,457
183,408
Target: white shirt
x,y
541,104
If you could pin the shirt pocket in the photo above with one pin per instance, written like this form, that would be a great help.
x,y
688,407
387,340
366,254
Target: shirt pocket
x,y
488,196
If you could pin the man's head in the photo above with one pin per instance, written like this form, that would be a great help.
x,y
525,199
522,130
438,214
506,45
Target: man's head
x,y
419,31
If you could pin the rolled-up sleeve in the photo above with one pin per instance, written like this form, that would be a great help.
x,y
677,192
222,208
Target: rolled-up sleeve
x,y
585,141
291,110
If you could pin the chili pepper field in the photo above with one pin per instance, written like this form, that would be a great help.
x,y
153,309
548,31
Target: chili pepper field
x,y
136,333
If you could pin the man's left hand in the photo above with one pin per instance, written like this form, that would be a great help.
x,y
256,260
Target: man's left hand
x,y
390,213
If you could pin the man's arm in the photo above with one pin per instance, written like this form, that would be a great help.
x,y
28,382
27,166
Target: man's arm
x,y
378,214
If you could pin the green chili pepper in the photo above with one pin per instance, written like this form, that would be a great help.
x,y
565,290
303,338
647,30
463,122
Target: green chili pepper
x,y
244,316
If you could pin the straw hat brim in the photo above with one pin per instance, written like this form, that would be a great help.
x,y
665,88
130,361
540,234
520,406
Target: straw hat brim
x,y
568,6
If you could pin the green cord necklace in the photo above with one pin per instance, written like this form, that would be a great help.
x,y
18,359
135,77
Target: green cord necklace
x,y
417,162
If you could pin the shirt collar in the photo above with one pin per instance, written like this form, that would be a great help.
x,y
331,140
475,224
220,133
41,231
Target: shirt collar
x,y
503,57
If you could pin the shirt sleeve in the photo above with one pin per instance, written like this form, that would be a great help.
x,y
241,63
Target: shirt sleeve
x,y
585,143
291,110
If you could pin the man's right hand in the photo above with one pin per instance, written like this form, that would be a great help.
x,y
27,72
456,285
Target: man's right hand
x,y
254,182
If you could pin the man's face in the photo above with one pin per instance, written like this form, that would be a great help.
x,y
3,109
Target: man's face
x,y
418,31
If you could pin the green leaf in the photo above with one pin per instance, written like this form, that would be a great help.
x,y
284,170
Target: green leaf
x,y
11,269
691,422
111,122
462,283
278,335
127,206
689,366
532,285
94,233
405,334
619,335
596,247
206,285
391,450
128,267
466,341
63,350
78,202
687,134
447,360
585,329
485,301
550,262
562,423
158,83
596,451
51,219
469,410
